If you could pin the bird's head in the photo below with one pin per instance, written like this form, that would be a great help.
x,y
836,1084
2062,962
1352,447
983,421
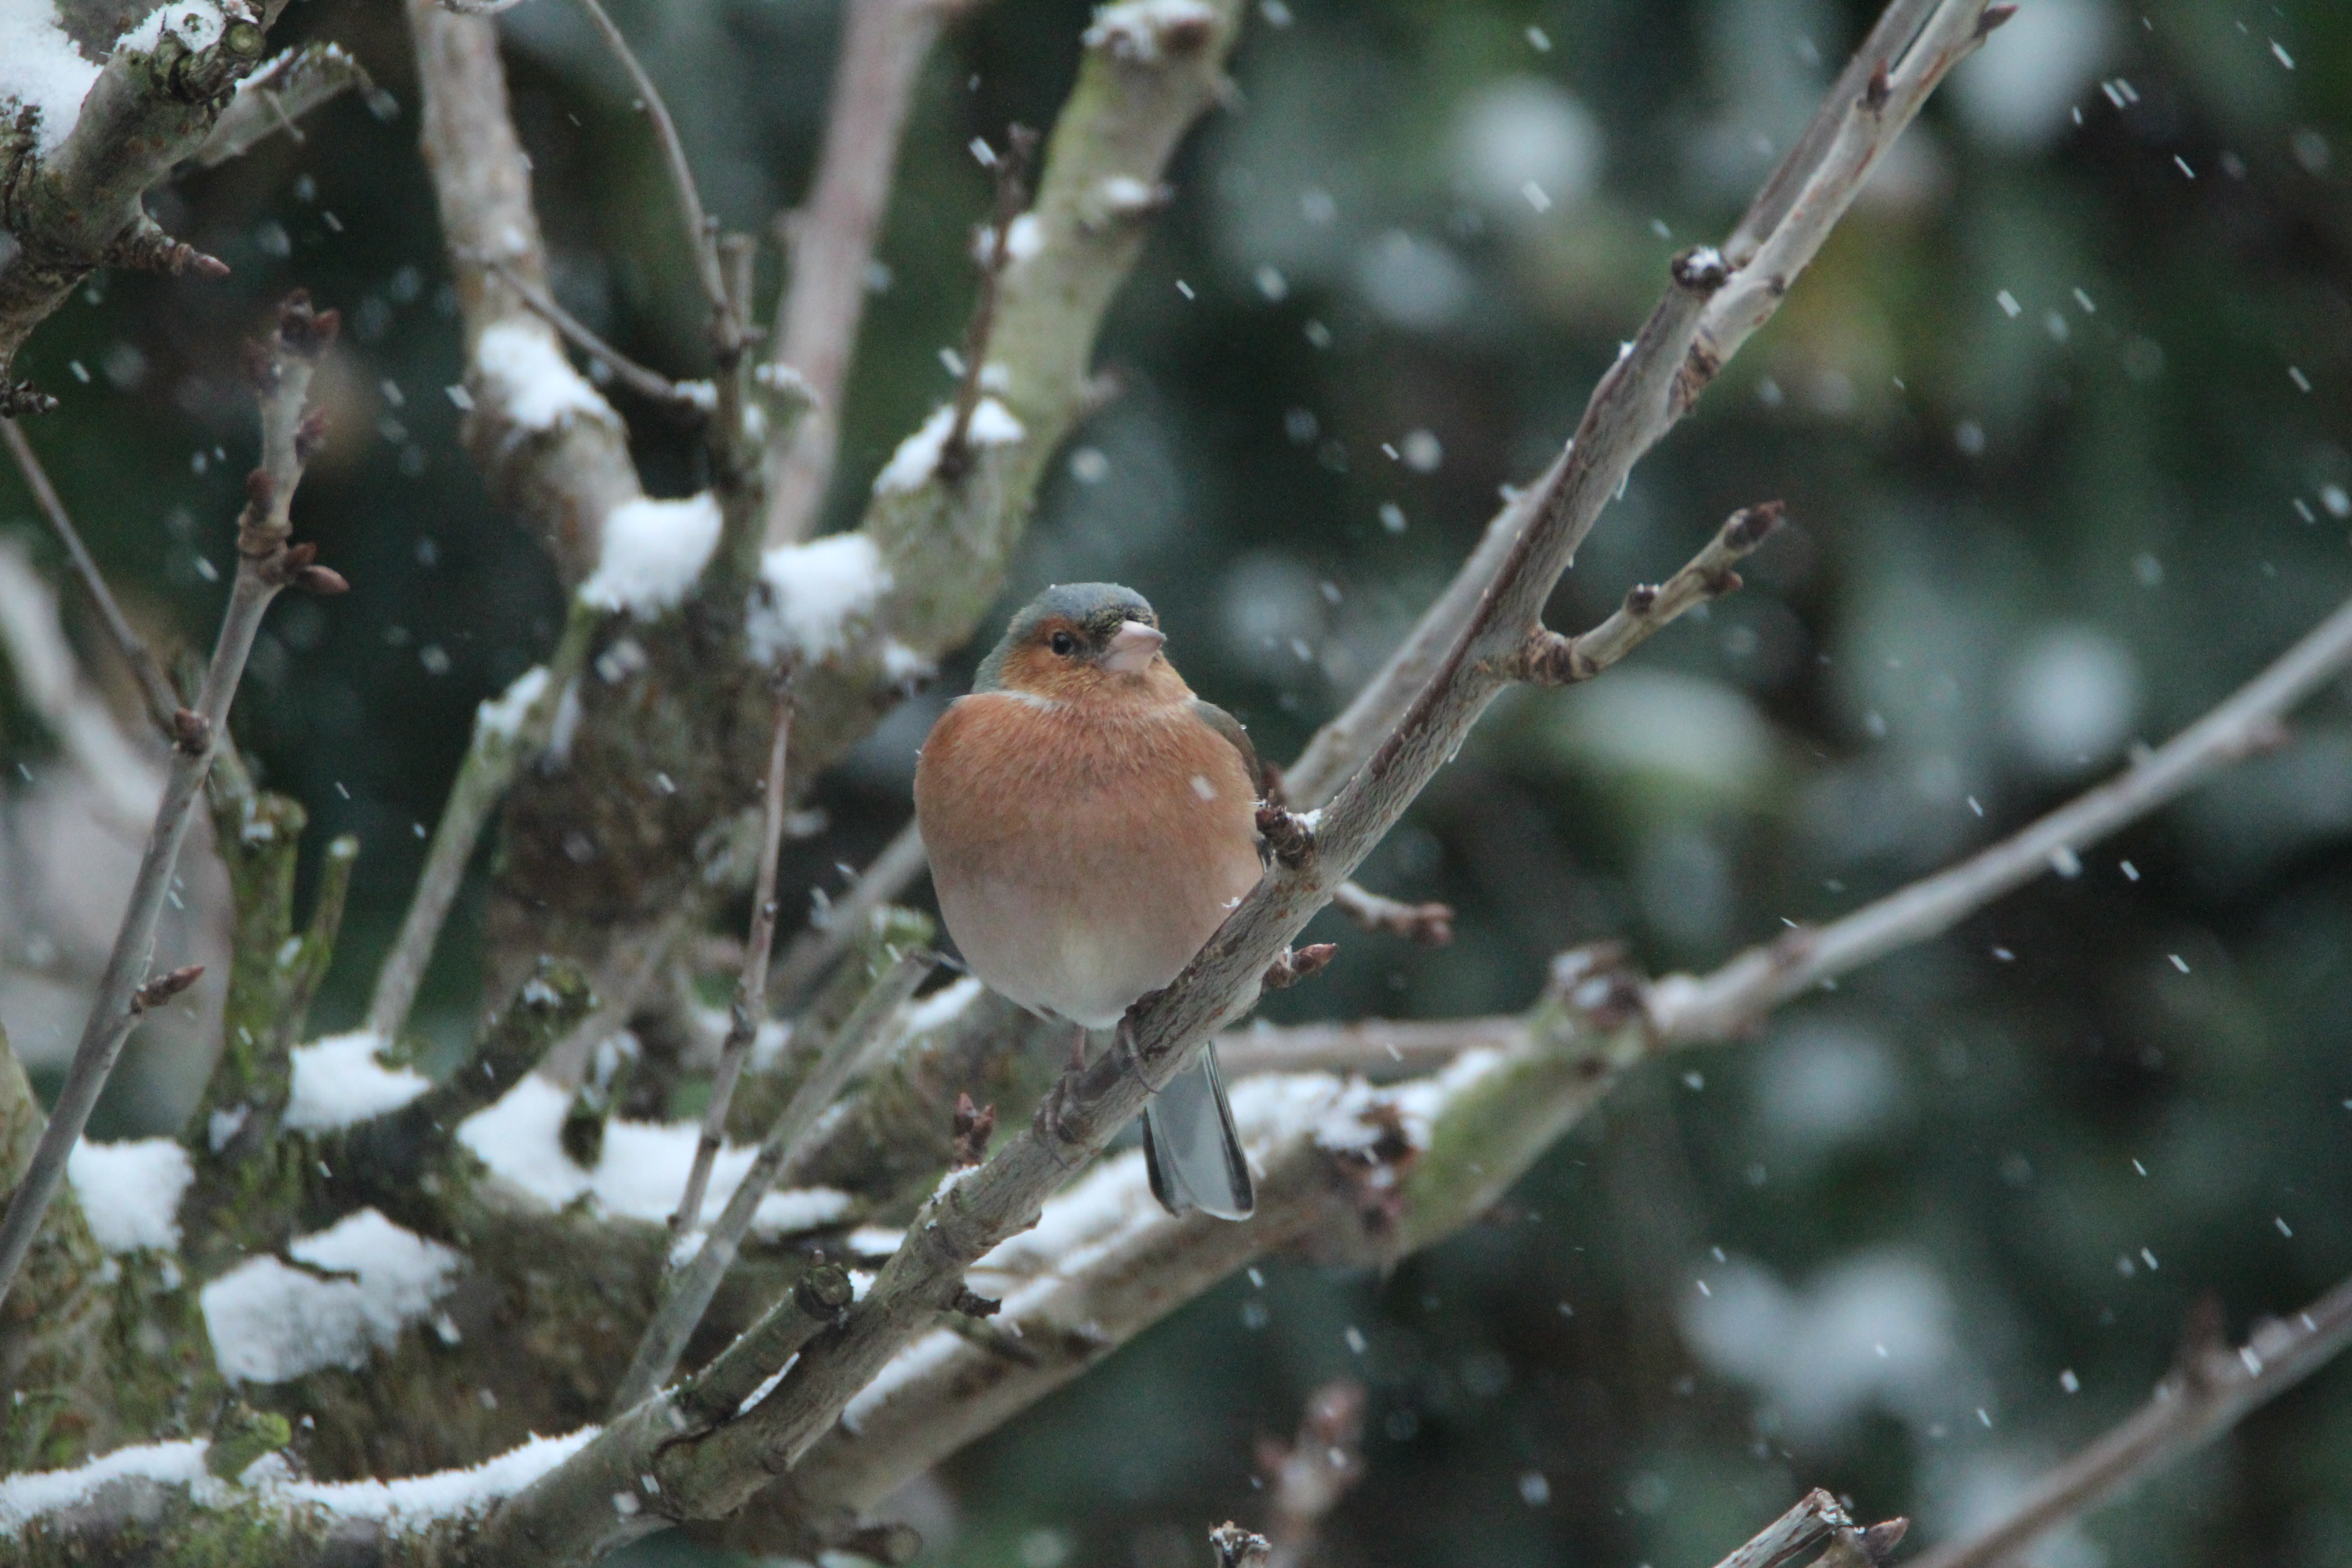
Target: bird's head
x,y
1082,640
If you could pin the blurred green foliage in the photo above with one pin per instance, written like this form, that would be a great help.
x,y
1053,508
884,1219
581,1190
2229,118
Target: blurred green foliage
x,y
2060,417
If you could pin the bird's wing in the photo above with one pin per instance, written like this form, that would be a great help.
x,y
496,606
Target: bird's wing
x,y
1226,724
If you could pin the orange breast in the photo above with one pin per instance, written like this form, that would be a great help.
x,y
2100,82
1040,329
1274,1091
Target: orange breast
x,y
1081,858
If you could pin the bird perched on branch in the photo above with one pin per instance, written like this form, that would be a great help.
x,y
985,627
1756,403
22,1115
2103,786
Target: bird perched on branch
x,y
1090,823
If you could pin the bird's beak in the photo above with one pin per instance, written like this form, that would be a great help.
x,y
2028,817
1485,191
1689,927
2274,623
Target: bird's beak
x,y
1133,647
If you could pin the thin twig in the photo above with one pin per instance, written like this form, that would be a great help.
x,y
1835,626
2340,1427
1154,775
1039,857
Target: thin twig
x,y
503,742
1307,1476
161,701
751,991
831,243
2211,1392
693,1283
266,564
691,396
1547,659
1430,924
1372,1048
1825,168
701,241
1725,1001
815,949
1010,168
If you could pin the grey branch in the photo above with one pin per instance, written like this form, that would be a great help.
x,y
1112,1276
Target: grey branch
x,y
1547,659
1914,42
702,240
850,1051
161,699
691,396
1724,1003
266,564
278,96
815,949
831,242
2212,1389
80,207
751,1008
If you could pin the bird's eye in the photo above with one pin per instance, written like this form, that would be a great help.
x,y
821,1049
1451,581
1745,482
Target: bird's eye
x,y
1065,644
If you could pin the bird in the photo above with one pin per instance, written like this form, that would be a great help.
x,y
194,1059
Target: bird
x,y
1090,823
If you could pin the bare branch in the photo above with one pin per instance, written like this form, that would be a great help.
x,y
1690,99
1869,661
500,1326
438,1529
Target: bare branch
x,y
280,93
693,397
1431,924
702,237
266,564
693,1283
162,701
1547,659
508,730
564,464
1725,1001
751,991
79,206
815,949
1918,41
1011,169
2212,1389
1307,1478
831,242
1370,1047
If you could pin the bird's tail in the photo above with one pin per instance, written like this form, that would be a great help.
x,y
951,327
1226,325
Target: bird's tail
x,y
1190,1149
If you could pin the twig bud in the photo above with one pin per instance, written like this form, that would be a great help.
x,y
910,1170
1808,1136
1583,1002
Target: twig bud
x,y
309,436
323,581
1875,94
1994,16
191,730
1299,964
972,1304
163,987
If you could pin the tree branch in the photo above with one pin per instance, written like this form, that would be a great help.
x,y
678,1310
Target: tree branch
x,y
693,1282
751,1008
266,564
2212,1389
831,242
161,701
280,93
80,206
1726,1002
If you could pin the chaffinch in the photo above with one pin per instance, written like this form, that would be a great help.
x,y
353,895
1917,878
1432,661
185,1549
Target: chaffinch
x,y
1090,823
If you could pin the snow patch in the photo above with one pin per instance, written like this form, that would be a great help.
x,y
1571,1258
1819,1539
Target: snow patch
x,y
338,1082
130,1192
198,24
40,69
810,593
271,1323
652,553
947,1003
525,373
641,1173
1138,31
917,456
502,715
412,1501
23,1498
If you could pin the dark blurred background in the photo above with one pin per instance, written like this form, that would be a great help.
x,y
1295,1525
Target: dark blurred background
x,y
2059,417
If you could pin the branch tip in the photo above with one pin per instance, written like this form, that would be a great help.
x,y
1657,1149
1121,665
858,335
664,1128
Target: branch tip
x,y
1299,964
1289,838
163,987
1239,1548
972,1304
973,1127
